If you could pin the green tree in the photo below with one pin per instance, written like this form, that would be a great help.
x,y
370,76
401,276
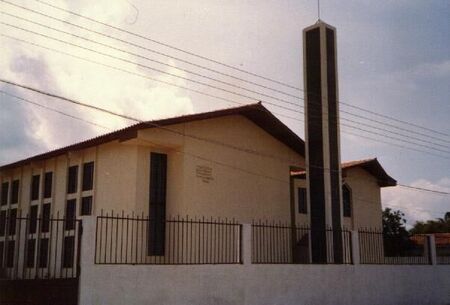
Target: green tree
x,y
431,226
394,223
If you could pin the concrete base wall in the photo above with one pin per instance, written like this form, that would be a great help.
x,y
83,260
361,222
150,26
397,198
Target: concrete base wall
x,y
266,284
252,284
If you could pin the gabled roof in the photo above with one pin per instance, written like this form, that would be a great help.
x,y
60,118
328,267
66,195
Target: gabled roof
x,y
370,165
256,113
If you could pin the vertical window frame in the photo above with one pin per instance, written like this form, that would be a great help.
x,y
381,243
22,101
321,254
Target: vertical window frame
x,y
87,183
48,185
15,189
72,179
35,187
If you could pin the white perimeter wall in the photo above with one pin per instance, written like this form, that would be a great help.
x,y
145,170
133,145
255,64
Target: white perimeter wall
x,y
258,284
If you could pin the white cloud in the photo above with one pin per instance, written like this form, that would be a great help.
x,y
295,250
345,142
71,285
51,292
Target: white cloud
x,y
419,205
106,88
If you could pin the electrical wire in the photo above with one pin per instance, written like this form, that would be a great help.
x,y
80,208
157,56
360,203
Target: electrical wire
x,y
246,96
214,61
156,125
238,87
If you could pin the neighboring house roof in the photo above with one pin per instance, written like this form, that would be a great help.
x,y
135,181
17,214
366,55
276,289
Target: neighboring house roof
x,y
371,165
256,113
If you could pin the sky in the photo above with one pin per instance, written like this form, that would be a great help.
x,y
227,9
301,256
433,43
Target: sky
x,y
393,59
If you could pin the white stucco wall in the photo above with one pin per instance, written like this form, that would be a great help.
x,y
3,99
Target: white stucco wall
x,y
259,284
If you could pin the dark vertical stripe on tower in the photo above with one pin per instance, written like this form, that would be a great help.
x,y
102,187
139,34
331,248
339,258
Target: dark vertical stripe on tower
x,y
315,146
334,149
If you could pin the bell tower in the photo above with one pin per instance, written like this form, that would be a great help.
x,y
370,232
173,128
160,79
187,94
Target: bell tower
x,y
323,159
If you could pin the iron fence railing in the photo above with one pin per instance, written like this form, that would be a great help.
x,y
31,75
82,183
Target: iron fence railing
x,y
442,248
133,240
39,247
375,247
276,243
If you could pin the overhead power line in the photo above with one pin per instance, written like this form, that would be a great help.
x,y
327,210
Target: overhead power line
x,y
183,134
246,96
282,92
215,96
168,45
230,84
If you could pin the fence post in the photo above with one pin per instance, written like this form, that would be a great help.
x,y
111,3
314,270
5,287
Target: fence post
x,y
431,242
355,247
246,244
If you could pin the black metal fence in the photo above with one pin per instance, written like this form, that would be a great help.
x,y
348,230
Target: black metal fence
x,y
378,248
39,247
133,240
276,243
442,241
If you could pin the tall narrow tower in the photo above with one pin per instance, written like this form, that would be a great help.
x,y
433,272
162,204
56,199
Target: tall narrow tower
x,y
322,141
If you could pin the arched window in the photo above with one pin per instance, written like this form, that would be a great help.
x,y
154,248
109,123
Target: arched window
x,y
347,200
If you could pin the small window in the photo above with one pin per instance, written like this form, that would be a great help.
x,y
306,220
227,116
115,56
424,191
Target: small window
x,y
347,200
43,253
302,201
88,176
12,221
86,206
72,181
10,254
4,193
33,219
2,223
70,214
46,208
69,249
48,180
35,180
31,248
15,192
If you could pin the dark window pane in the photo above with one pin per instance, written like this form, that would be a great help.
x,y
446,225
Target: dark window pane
x,y
12,221
86,205
43,253
15,192
33,219
347,201
302,201
31,247
69,249
48,180
157,213
4,193
35,180
88,176
72,179
46,217
2,223
70,214
10,253
2,248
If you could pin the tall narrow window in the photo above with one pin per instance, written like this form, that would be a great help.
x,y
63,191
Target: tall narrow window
x,y
72,181
12,221
68,252
45,217
2,222
48,180
35,180
302,201
31,248
43,253
88,176
157,212
86,206
70,214
347,200
15,192
10,253
2,248
33,219
4,193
